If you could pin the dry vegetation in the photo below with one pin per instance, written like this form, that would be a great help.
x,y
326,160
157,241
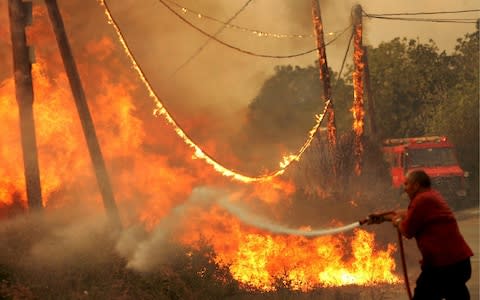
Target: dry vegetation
x,y
60,255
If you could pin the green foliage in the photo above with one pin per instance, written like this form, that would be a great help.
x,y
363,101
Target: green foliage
x,y
408,80
284,111
416,90
458,116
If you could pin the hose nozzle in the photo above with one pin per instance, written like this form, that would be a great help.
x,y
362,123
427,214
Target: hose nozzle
x,y
377,218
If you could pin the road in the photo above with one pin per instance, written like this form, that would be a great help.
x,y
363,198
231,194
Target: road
x,y
468,221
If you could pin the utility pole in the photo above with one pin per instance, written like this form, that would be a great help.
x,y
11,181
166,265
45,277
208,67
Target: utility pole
x,y
83,112
357,76
20,16
327,88
325,78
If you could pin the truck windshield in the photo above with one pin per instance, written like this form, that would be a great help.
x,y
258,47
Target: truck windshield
x,y
431,157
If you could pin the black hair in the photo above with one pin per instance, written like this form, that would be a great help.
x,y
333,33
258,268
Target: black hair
x,y
421,177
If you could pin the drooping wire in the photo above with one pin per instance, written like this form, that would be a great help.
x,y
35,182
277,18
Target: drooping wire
x,y
199,153
199,49
256,32
246,51
343,61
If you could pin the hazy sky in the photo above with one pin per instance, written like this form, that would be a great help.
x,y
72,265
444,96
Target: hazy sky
x,y
229,79
221,81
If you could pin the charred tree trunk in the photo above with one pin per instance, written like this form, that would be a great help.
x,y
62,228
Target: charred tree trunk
x,y
357,76
325,78
18,16
83,111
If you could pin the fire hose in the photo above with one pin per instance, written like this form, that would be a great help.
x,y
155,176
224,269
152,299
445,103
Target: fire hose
x,y
380,218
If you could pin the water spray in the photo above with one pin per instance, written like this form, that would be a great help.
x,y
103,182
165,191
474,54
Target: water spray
x,y
216,196
264,224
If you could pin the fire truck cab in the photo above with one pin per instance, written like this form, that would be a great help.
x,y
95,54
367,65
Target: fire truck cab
x,y
436,156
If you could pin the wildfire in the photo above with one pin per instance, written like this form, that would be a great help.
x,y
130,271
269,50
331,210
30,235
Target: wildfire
x,y
160,110
357,109
259,260
149,182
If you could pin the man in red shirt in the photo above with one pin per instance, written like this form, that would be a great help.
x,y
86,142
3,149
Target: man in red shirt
x,y
445,254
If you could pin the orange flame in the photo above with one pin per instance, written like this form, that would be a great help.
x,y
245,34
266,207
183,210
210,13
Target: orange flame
x,y
151,176
358,101
258,260
160,110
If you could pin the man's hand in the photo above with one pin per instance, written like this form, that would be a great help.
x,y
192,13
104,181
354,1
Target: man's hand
x,y
398,216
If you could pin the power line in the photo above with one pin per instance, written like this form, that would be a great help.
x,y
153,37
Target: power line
x,y
458,21
343,62
404,16
210,38
160,110
242,50
256,32
427,13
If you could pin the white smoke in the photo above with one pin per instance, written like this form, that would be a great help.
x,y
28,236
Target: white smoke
x,y
144,252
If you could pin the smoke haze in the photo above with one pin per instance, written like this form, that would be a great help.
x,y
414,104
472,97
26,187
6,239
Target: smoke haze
x,y
220,82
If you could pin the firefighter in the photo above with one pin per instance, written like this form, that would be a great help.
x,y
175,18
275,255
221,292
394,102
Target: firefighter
x,y
446,256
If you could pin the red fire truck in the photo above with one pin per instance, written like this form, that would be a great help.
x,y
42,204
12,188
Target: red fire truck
x,y
436,156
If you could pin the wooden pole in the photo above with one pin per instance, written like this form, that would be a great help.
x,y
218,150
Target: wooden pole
x,y
327,88
357,76
83,111
324,72
24,94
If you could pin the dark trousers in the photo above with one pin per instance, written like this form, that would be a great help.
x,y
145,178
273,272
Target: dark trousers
x,y
435,283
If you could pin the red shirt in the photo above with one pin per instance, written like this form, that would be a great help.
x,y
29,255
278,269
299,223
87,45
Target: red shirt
x,y
432,223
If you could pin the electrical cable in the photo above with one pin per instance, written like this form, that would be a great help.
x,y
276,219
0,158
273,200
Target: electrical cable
x,y
256,32
246,51
199,153
186,62
458,21
343,62
427,13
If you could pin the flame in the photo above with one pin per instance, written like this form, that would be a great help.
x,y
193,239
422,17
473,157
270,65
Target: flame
x,y
258,260
151,176
160,110
357,109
